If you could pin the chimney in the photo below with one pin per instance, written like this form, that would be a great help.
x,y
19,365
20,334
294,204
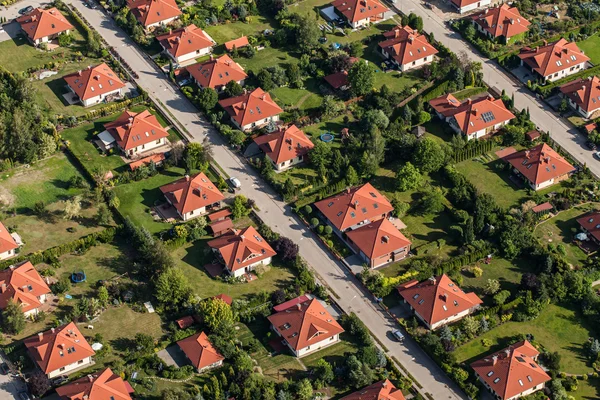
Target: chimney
x,y
348,190
547,160
211,57
263,96
384,384
411,38
245,91
243,105
469,101
537,48
433,280
170,31
89,67
494,360
299,306
507,352
79,72
487,10
490,97
187,178
97,77
41,336
397,33
3,288
90,378
527,154
545,42
85,396
52,330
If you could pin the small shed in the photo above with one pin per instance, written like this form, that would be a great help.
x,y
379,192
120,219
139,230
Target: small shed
x,y
227,299
221,227
532,136
185,322
419,131
542,208
219,215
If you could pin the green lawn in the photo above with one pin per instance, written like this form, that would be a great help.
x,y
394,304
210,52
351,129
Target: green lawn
x,y
304,99
591,47
587,390
192,257
561,230
265,58
469,92
439,131
487,173
45,181
334,126
557,329
226,32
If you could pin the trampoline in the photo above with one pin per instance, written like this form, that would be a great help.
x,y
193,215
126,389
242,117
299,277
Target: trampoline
x,y
78,277
326,137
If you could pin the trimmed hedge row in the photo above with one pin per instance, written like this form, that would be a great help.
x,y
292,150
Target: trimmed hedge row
x,y
111,109
484,146
466,259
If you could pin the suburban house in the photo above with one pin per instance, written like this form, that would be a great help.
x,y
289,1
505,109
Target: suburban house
x,y
241,251
512,373
378,243
354,208
201,353
43,26
216,73
305,327
153,13
590,224
95,84
501,23
472,118
134,133
23,285
60,351
102,385
193,196
463,6
382,390
360,13
8,244
338,80
583,95
554,61
407,48
237,43
438,301
186,44
285,147
540,166
251,110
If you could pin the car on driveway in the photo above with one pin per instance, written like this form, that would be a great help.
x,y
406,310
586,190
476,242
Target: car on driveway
x,y
398,335
26,10
590,145
235,182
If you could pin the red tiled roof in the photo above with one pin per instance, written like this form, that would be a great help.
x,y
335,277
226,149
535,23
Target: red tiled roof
x,y
542,207
226,212
464,3
354,205
590,127
285,144
239,42
378,238
185,40
221,226
290,303
149,12
94,81
406,45
228,300
191,193
242,248
584,92
99,386
305,324
382,390
540,163
23,285
437,299
6,240
131,129
482,114
156,158
448,105
554,57
511,371
185,322
532,135
356,10
217,72
58,347
200,351
591,223
41,23
251,107
337,80
504,21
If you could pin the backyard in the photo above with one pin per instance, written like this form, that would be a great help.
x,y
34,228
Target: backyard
x,y
591,48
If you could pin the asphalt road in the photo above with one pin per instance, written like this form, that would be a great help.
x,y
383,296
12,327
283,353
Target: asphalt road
x,y
273,211
12,11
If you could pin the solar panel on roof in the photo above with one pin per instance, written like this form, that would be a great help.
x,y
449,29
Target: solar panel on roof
x,y
488,116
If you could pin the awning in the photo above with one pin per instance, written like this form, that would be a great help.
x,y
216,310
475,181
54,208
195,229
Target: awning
x,y
106,138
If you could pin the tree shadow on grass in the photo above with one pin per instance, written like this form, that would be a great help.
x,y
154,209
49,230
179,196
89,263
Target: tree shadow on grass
x,y
57,86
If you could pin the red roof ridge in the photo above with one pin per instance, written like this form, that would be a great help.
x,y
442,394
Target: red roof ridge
x,y
15,279
236,246
186,194
40,23
131,129
217,72
7,242
274,144
251,107
80,81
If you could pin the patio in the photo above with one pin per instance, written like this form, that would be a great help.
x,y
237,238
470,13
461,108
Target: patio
x,y
166,212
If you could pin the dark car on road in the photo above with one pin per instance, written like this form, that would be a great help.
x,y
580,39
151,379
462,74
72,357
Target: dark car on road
x,y
26,10
4,369
590,145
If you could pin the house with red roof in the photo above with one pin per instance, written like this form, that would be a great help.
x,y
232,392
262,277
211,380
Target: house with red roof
x,y
251,110
359,13
590,224
306,327
463,6
502,22
95,84
512,373
185,44
134,133
200,352
438,301
216,73
241,251
541,166
237,43
43,26
583,95
153,13
472,118
60,351
554,61
8,244
102,385
23,285
379,243
407,48
285,147
354,208
193,196
382,390
156,158
338,80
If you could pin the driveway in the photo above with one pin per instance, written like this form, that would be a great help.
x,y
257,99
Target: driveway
x,y
173,356
9,386
12,11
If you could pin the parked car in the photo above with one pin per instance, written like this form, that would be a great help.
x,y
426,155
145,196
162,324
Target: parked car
x,y
4,369
59,380
24,396
590,145
398,335
26,10
235,182
597,155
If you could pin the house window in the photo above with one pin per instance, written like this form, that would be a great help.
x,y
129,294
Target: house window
x,y
158,141
80,362
62,369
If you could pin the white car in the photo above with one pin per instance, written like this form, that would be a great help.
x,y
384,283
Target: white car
x,y
597,155
398,335
235,182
